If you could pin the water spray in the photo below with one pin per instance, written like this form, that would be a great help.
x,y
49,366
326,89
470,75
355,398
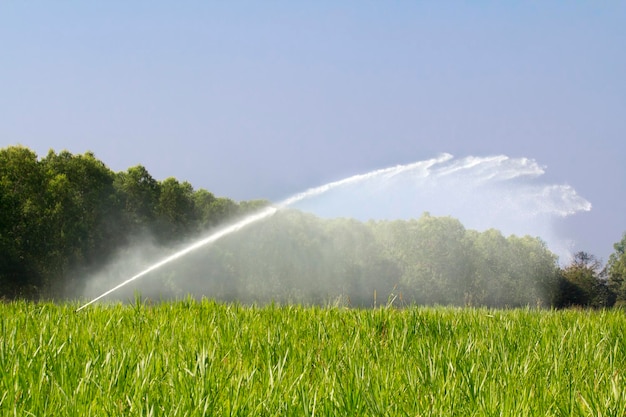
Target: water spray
x,y
266,212
475,171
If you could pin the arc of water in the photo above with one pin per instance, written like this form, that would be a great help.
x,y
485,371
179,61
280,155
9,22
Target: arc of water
x,y
563,200
268,211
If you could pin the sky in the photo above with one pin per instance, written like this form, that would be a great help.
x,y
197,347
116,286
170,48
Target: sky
x,y
266,99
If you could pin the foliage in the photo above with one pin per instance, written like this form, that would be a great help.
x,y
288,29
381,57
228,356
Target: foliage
x,y
22,251
204,358
82,216
65,215
433,255
139,193
616,269
582,283
297,257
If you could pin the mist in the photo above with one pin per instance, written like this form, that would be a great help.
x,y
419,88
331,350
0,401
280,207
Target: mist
x,y
296,257
497,192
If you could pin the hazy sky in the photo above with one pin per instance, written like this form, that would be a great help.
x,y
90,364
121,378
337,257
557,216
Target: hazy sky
x,y
265,99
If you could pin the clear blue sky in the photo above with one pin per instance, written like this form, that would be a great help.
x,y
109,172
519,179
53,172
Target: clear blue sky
x,y
265,99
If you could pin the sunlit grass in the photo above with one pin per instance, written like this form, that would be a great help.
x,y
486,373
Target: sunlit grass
x,y
204,358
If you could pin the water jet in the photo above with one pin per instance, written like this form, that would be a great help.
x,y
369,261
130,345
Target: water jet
x,y
489,188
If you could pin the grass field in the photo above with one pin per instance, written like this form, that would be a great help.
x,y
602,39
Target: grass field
x,y
204,358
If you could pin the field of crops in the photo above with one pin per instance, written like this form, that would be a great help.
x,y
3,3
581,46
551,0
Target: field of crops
x,y
204,358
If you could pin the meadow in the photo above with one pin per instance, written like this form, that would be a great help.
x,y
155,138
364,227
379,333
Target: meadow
x,y
204,358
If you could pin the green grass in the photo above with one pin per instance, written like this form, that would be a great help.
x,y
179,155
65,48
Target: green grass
x,y
203,358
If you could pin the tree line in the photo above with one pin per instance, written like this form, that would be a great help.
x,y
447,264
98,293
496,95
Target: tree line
x,y
296,257
64,216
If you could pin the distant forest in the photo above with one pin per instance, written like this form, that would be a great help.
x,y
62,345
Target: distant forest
x,y
65,217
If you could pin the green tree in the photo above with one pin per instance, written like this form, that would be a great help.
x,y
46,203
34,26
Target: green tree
x,y
441,262
534,271
82,215
139,195
616,270
510,272
221,210
491,283
22,223
175,210
203,201
432,254
583,284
